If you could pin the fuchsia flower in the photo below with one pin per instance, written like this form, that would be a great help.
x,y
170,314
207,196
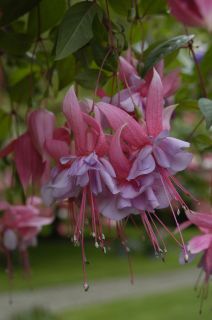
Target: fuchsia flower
x,y
129,172
192,12
19,227
31,160
144,155
136,89
201,243
82,173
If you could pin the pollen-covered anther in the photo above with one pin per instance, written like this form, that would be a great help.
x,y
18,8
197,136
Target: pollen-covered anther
x,y
86,286
96,244
184,208
186,258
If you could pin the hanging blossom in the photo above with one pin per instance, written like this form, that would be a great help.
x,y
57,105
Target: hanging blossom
x,y
146,158
82,172
194,13
131,171
30,157
201,244
19,227
132,98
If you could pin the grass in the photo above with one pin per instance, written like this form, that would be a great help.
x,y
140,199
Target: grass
x,y
57,262
34,314
180,304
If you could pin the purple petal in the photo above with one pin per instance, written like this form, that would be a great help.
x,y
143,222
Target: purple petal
x,y
108,167
152,199
123,203
95,182
161,157
108,207
177,143
181,161
109,181
128,191
47,195
82,180
143,164
10,240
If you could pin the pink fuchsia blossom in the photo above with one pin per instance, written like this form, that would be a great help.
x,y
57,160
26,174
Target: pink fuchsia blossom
x,y
30,156
135,88
87,165
201,244
196,13
145,157
83,172
19,227
152,150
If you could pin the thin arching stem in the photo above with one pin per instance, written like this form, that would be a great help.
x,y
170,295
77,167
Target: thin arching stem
x,y
201,81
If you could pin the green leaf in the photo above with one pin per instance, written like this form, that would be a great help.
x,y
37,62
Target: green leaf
x,y
66,71
101,54
46,16
121,7
14,43
205,106
189,105
5,124
21,91
202,142
88,78
153,7
100,33
164,49
75,30
11,10
206,61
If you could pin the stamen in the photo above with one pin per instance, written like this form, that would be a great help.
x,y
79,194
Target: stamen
x,y
173,213
180,186
122,236
80,235
167,229
164,251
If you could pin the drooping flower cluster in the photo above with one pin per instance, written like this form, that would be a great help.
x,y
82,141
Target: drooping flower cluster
x,y
107,157
128,170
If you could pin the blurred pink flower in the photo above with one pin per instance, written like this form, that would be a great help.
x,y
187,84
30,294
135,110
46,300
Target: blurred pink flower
x,y
20,225
193,12
30,156
201,244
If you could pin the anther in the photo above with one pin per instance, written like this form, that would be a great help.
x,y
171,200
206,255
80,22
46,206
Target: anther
x,y
86,286
186,258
